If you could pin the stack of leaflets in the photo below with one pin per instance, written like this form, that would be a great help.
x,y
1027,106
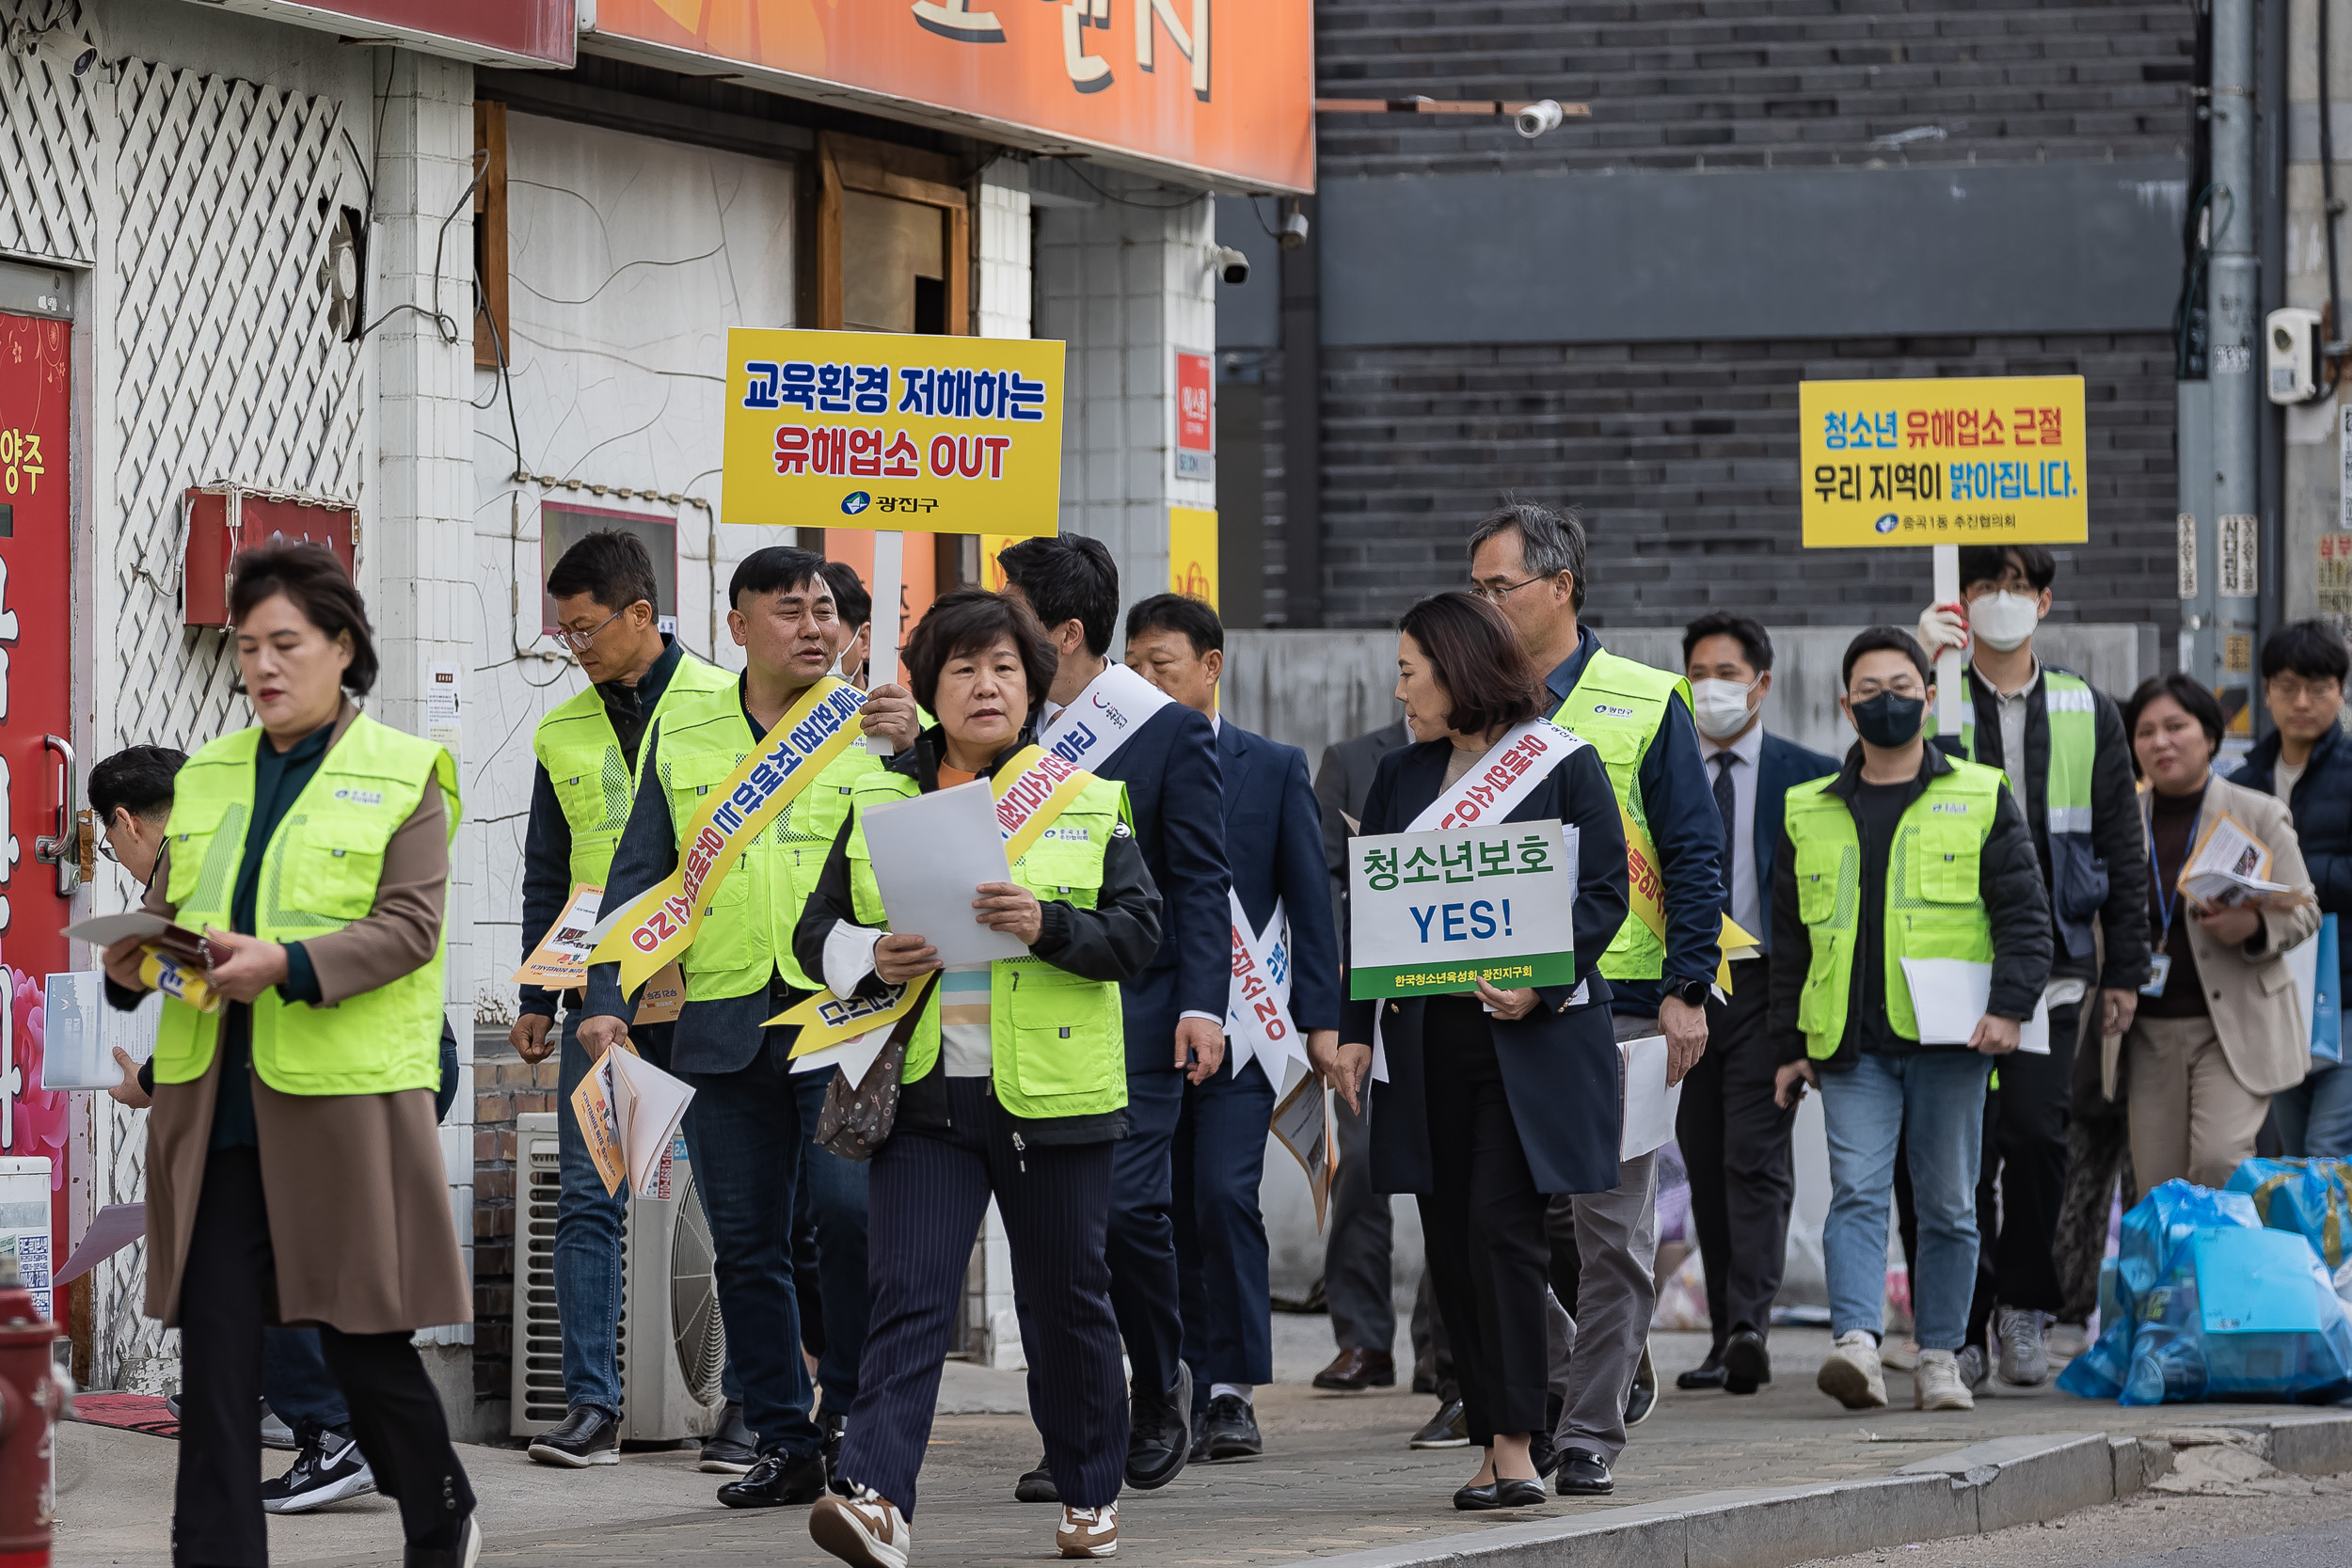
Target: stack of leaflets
x,y
2230,867
178,963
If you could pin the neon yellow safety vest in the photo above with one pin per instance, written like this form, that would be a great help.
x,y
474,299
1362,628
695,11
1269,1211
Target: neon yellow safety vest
x,y
747,929
1618,706
319,873
1933,908
2079,880
1056,1045
593,784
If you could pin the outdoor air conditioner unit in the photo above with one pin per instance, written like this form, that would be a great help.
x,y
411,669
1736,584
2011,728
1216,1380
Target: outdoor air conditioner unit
x,y
673,1345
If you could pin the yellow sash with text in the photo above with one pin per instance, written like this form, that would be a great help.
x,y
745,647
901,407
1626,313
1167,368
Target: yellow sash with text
x,y
660,923
1032,789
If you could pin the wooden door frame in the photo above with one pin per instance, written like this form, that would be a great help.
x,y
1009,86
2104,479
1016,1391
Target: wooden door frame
x,y
846,163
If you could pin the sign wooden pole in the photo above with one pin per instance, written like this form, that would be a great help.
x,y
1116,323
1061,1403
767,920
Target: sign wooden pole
x,y
882,657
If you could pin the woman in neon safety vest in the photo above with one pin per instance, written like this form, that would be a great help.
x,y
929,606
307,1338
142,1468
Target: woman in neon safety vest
x,y
1495,1098
1015,1086
293,1170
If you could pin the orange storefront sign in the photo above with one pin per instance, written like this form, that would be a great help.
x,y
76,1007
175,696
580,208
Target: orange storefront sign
x,y
1207,86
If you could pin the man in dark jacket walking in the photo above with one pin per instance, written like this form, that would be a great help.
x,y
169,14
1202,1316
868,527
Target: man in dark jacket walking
x,y
1908,873
2068,764
2307,763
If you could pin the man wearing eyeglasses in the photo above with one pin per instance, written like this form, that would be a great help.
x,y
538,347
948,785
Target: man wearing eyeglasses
x,y
587,749
1528,562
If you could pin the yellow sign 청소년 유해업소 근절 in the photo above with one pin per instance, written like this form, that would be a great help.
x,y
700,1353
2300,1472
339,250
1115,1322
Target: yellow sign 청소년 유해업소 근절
x,y
1995,460
910,432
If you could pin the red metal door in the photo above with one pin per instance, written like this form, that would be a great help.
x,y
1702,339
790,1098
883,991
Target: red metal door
x,y
36,727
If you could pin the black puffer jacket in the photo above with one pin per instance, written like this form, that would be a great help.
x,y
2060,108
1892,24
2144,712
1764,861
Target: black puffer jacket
x,y
2322,807
1111,941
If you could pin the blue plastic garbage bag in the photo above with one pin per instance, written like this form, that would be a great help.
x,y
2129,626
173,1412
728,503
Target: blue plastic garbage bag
x,y
2215,1306
2311,1197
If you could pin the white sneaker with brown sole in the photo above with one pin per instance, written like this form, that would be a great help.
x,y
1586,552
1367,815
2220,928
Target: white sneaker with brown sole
x,y
1088,1531
864,1528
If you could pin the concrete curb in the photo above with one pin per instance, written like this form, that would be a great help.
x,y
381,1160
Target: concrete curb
x,y
1971,1491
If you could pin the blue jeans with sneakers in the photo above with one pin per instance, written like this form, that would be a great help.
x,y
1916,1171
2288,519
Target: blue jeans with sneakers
x,y
588,1226
1937,1097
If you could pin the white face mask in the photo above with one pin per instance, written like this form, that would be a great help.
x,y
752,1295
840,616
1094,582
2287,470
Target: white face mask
x,y
1720,708
2003,621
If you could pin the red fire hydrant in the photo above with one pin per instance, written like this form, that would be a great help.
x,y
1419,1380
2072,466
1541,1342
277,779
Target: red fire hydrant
x,y
30,1398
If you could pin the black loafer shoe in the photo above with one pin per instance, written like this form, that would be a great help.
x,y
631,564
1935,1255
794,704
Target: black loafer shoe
x,y
1746,1363
1159,1440
1707,1374
777,1482
584,1436
1475,1499
1584,1475
1037,1486
732,1450
1231,1430
1447,1429
1521,1493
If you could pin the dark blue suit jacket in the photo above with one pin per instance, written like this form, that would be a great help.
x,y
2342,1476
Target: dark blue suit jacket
x,y
1781,767
1175,791
1274,842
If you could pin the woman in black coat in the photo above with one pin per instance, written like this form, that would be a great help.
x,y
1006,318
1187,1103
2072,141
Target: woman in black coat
x,y
1494,1099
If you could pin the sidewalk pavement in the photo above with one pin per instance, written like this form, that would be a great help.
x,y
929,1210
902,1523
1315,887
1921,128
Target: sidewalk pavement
x,y
1337,1478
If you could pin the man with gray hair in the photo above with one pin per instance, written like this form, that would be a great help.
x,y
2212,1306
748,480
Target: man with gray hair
x,y
1528,563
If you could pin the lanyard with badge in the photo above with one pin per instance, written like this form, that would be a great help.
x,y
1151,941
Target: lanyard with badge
x,y
2160,961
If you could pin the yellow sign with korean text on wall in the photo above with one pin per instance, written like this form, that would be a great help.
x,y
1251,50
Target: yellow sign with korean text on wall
x,y
1192,553
909,432
1992,460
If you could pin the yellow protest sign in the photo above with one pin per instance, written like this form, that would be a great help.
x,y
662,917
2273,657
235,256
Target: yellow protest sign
x,y
910,432
1991,460
1192,553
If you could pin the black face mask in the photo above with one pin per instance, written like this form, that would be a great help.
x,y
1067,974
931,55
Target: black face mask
x,y
1889,718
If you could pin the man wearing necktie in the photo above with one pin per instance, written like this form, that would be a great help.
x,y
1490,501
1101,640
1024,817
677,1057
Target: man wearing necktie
x,y
1734,1138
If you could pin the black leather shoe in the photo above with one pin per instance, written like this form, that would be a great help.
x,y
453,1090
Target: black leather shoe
x,y
1353,1370
1447,1429
584,1436
1231,1430
1707,1374
1746,1363
465,1554
1541,1455
1159,1441
1037,1486
1500,1494
1583,1474
732,1450
1643,1397
777,1482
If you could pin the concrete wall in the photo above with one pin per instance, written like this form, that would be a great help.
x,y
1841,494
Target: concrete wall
x,y
2315,477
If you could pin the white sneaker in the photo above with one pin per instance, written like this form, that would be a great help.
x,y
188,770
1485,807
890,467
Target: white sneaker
x,y
1936,1385
1088,1531
1852,1375
864,1528
2024,1356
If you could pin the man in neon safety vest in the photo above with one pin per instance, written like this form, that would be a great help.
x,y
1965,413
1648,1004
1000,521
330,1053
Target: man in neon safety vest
x,y
1528,562
586,747
2070,766
1902,882
749,1119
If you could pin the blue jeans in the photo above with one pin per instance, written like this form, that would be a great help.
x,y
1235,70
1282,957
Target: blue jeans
x,y
747,1144
1934,1099
588,1222
836,1193
296,1381
2314,1118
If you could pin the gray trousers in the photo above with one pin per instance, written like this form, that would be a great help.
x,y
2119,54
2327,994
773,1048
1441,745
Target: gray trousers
x,y
1596,1351
1356,1271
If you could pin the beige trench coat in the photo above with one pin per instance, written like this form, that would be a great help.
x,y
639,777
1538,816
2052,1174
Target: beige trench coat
x,y
358,1201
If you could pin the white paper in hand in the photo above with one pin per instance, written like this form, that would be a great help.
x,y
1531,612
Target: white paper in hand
x,y
78,1049
1650,1103
930,855
1949,998
648,1104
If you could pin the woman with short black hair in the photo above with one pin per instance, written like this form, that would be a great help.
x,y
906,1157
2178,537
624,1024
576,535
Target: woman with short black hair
x,y
294,1169
1494,1099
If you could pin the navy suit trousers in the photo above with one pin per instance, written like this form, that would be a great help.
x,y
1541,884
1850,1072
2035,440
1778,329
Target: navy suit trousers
x,y
927,1192
1219,1159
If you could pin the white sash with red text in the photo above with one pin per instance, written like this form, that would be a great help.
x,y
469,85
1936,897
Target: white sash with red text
x,y
1101,719
1257,1007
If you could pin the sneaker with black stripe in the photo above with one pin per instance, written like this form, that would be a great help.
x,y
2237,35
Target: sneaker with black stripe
x,y
328,1469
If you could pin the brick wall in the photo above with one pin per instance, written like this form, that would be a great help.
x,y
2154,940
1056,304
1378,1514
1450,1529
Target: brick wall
x,y
1682,458
505,1086
1688,84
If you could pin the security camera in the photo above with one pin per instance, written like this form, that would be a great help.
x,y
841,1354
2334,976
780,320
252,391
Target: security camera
x,y
1538,118
1292,233
74,55
1232,265
2291,354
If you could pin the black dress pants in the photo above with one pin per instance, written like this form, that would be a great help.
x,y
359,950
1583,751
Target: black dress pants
x,y
228,1292
1734,1143
1483,1225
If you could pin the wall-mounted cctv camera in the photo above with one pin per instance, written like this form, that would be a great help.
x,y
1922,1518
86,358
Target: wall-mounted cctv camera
x,y
1232,265
1538,118
1293,230
75,57
2291,353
